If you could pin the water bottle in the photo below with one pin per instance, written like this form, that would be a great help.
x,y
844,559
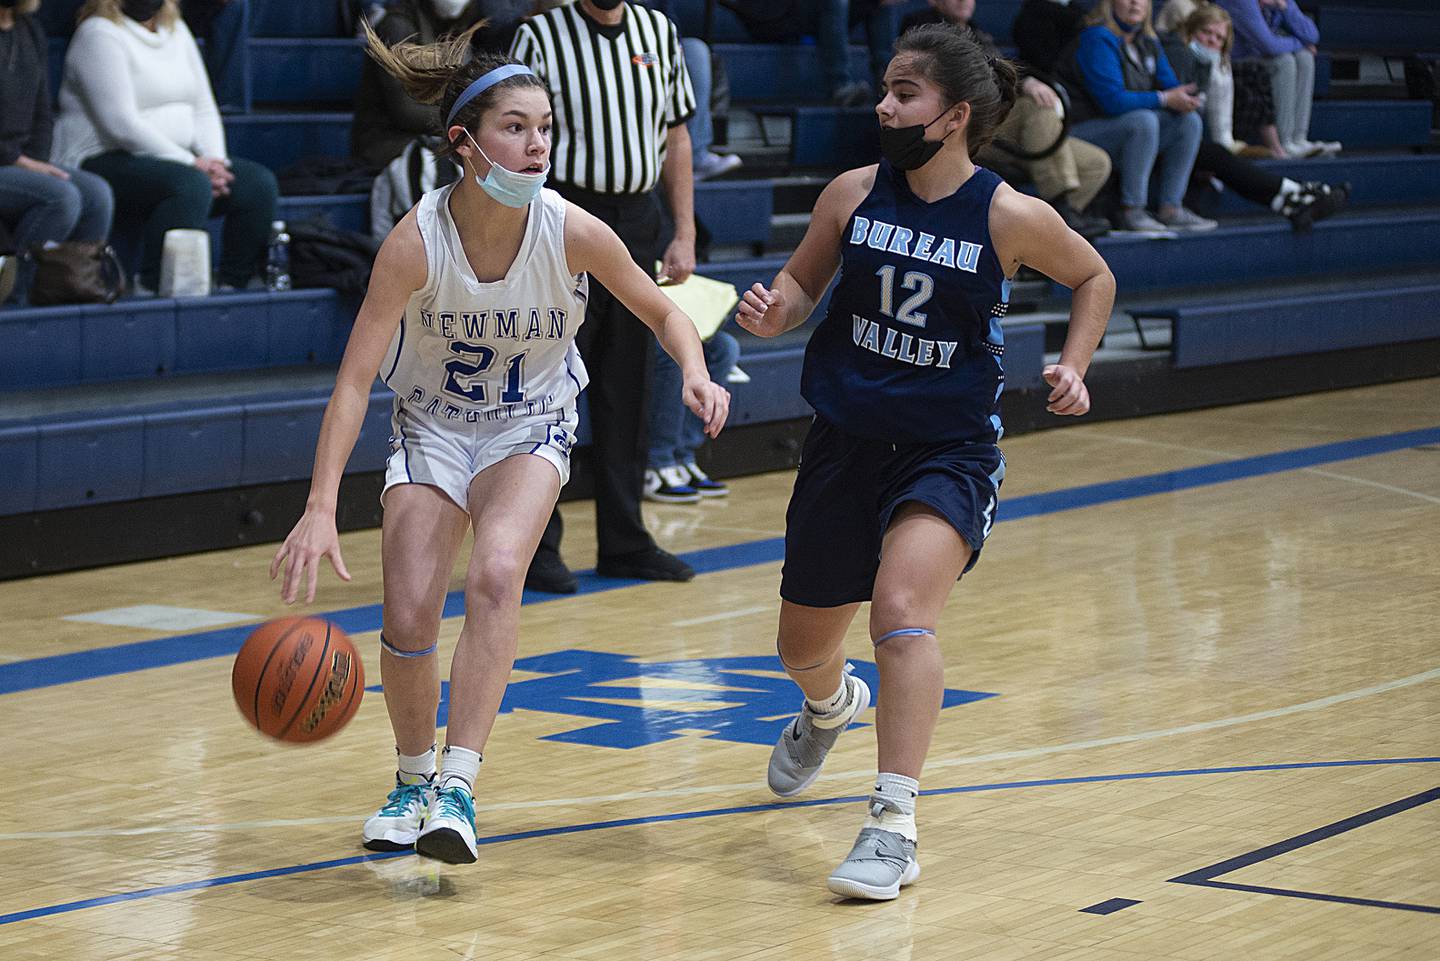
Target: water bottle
x,y
277,260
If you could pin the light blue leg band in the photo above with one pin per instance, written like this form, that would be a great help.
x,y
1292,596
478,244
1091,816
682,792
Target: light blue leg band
x,y
399,653
903,632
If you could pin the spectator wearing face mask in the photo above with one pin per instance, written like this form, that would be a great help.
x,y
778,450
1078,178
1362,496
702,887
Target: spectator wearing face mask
x,y
1128,101
1277,35
39,202
386,117
1199,53
136,108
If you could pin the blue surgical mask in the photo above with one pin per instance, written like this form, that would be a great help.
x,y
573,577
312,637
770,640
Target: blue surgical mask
x,y
509,187
1204,53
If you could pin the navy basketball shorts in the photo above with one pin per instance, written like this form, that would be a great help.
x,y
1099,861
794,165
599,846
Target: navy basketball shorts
x,y
849,487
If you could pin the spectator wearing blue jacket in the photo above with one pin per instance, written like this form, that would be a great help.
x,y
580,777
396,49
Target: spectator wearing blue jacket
x,y
1277,34
1126,100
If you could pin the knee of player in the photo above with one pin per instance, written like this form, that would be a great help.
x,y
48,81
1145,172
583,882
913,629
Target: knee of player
x,y
495,579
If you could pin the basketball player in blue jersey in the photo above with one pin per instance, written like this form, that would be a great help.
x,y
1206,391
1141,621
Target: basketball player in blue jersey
x,y
900,473
470,318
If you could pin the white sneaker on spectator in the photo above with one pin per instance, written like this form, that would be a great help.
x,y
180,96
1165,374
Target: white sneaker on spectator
x,y
1188,220
1301,149
737,376
711,164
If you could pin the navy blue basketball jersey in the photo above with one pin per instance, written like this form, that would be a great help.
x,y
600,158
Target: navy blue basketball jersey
x,y
910,348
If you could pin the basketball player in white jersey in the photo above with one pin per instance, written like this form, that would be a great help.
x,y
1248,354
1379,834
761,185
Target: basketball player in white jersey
x,y
470,319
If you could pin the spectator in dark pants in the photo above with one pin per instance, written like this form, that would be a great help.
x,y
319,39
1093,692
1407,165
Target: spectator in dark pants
x,y
39,202
136,108
225,27
830,22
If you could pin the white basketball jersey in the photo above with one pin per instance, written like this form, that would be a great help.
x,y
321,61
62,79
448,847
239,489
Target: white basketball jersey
x,y
471,352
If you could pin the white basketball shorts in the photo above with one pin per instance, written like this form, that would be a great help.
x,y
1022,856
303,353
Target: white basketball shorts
x,y
427,449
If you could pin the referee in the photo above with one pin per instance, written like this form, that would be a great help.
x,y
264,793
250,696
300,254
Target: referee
x,y
621,97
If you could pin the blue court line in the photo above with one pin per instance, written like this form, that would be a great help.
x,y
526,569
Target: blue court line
x,y
166,651
1205,877
1110,907
582,828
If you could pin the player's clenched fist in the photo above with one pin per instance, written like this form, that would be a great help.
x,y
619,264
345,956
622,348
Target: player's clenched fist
x,y
762,311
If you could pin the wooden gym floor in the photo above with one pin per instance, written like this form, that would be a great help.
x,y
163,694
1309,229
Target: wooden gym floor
x,y
1194,713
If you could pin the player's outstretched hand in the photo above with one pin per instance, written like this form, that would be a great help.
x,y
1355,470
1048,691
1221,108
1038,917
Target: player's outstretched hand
x,y
1069,396
756,314
710,402
314,537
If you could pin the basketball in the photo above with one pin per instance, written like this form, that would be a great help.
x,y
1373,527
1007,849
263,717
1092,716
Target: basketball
x,y
298,679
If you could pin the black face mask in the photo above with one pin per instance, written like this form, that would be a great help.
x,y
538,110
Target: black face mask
x,y
141,10
607,4
906,147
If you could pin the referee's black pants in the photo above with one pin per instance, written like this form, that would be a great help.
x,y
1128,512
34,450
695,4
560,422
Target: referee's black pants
x,y
616,347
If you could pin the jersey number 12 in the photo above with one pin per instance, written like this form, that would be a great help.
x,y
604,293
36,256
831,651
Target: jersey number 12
x,y
923,285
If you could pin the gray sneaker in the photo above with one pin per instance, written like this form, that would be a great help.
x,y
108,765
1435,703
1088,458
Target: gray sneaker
x,y
1135,220
878,866
795,762
1182,219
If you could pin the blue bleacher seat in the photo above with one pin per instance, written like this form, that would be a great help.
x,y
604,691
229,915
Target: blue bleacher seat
x,y
305,71
1210,334
288,18
1372,123
1376,180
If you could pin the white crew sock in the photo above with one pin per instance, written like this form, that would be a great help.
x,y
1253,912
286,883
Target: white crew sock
x,y
897,813
832,704
416,769
459,766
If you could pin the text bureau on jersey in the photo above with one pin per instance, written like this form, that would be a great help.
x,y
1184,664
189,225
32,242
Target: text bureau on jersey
x,y
500,324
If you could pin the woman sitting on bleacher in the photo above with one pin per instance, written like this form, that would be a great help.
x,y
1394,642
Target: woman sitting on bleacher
x,y
136,108
1199,53
1276,34
1126,100
39,202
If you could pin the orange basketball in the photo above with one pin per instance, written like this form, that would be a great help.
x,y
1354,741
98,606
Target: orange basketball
x,y
298,679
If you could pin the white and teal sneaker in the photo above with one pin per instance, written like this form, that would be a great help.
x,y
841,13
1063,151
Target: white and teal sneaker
x,y
397,824
449,832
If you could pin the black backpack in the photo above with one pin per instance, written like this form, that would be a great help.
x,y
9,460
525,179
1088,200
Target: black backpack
x,y
325,256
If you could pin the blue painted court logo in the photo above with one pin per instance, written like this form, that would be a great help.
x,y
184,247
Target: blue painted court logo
x,y
743,700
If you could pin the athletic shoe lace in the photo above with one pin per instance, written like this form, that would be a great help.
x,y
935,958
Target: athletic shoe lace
x,y
403,800
456,803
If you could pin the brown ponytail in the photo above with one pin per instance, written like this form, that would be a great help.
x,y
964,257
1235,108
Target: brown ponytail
x,y
438,73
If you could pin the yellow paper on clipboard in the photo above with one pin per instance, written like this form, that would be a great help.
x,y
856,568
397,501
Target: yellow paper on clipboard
x,y
707,302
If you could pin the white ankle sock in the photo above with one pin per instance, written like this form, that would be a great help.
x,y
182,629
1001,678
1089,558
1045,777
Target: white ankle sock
x,y
459,766
833,703
416,769
899,793
1289,190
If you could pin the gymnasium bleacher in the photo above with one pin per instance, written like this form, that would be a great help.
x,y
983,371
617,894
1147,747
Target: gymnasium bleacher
x,y
200,415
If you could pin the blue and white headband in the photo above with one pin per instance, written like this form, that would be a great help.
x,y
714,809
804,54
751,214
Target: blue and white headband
x,y
484,83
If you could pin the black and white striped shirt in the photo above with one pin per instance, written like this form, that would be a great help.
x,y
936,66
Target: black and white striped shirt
x,y
616,91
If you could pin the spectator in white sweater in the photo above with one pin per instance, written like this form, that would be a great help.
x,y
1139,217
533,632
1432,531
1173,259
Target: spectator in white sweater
x,y
137,109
